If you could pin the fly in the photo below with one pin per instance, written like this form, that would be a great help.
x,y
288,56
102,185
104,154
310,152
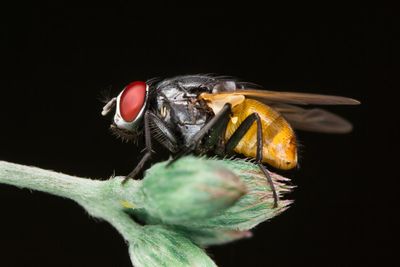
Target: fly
x,y
219,115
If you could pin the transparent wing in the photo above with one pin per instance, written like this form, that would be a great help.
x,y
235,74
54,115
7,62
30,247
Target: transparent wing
x,y
314,120
294,97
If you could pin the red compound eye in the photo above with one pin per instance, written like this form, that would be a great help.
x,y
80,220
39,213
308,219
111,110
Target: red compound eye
x,y
132,100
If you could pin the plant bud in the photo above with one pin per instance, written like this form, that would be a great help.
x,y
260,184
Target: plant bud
x,y
189,190
254,207
230,223
206,237
160,246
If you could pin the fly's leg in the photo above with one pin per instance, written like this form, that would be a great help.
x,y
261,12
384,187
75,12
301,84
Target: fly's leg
x,y
147,155
216,135
214,122
166,137
239,134
162,133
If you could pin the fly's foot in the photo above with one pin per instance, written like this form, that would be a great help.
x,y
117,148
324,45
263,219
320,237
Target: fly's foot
x,y
133,174
271,184
183,152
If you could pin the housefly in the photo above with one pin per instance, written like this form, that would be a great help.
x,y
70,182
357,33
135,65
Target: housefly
x,y
220,115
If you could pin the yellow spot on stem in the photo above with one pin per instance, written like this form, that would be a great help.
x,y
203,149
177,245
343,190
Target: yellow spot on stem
x,y
126,204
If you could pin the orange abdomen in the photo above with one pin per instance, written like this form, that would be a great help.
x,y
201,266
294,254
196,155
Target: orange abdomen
x,y
279,140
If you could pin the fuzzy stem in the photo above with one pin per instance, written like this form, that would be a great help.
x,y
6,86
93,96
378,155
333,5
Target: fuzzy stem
x,y
48,181
101,199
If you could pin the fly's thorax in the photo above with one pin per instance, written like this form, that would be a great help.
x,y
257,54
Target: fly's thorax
x,y
179,108
279,140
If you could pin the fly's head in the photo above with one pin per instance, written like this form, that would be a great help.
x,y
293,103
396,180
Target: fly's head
x,y
130,106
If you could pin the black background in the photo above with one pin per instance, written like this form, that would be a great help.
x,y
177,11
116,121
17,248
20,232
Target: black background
x,y
57,59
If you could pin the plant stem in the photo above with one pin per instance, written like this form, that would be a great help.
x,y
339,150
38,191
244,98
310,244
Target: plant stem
x,y
49,181
101,199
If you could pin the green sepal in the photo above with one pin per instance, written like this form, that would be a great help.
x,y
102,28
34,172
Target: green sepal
x,y
160,246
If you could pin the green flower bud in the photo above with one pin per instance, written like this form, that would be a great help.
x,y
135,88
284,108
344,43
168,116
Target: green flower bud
x,y
206,237
230,223
160,246
254,207
190,189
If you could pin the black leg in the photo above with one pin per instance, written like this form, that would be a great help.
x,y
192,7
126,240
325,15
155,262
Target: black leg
x,y
269,179
239,134
161,132
147,155
217,134
220,117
